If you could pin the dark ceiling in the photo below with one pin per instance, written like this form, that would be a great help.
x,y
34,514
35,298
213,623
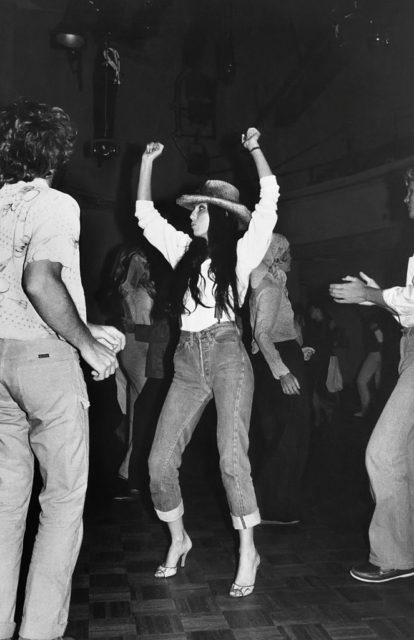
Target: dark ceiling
x,y
313,40
326,74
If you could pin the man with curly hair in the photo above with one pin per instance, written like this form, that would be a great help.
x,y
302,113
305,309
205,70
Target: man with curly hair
x,y
43,398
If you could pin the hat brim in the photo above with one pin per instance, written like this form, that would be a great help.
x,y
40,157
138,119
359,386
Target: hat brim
x,y
243,214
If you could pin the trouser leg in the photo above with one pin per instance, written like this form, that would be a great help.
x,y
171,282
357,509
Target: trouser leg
x,y
16,476
233,394
187,397
389,458
54,396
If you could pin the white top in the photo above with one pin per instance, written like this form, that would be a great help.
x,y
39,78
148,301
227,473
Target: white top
x,y
251,248
401,299
36,223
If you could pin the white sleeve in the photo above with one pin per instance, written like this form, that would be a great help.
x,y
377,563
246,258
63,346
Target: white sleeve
x,y
400,300
160,233
252,247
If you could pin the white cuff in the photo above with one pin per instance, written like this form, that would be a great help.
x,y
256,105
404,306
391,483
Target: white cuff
x,y
171,516
246,522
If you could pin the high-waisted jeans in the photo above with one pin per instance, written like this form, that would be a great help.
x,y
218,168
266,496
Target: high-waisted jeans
x,y
210,363
43,414
390,465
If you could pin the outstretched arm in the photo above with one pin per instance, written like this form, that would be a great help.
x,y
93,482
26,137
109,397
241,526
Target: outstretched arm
x,y
355,291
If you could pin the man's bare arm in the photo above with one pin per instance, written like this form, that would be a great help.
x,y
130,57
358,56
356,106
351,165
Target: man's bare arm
x,y
42,282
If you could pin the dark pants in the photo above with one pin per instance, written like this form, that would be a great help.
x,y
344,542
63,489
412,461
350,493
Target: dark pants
x,y
146,413
279,436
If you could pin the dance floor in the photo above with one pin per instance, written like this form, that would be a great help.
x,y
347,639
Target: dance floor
x,y
303,588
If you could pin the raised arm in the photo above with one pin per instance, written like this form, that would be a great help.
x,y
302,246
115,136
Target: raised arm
x,y
168,240
250,141
152,151
252,247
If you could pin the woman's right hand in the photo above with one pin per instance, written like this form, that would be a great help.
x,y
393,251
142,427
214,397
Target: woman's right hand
x,y
153,150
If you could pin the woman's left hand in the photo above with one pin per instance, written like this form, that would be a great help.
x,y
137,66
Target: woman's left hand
x,y
290,384
250,139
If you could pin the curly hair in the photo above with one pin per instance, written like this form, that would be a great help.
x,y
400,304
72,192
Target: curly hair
x,y
221,246
36,139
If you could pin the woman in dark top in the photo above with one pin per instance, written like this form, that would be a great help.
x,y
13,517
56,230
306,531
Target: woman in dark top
x,y
280,433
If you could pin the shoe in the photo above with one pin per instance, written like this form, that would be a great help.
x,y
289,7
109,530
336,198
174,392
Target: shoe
x,y
168,572
280,522
236,591
371,573
240,591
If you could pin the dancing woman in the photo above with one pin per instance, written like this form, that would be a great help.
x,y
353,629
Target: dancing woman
x,y
212,272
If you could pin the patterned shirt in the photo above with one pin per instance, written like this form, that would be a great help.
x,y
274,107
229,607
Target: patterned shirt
x,y
36,223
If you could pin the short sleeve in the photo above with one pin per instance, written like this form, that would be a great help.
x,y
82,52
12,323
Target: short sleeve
x,y
55,227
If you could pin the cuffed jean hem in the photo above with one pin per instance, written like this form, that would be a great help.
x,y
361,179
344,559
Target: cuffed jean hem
x,y
246,522
171,516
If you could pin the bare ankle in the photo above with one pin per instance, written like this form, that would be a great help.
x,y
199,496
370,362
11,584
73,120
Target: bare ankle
x,y
179,538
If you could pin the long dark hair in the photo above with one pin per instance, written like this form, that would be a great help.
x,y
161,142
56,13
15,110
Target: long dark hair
x,y
221,248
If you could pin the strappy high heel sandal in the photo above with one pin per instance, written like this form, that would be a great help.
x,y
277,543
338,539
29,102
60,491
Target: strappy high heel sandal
x,y
168,572
242,591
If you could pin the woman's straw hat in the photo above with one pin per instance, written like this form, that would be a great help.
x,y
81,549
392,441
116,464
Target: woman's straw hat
x,y
223,194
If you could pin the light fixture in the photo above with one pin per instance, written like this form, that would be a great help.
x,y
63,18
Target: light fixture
x,y
69,33
71,38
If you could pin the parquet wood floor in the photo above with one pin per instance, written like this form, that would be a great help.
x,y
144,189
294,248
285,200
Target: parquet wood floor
x,y
303,589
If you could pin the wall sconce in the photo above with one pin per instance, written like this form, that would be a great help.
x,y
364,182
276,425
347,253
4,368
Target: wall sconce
x,y
69,35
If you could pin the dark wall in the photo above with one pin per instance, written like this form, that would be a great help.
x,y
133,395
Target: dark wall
x,y
367,96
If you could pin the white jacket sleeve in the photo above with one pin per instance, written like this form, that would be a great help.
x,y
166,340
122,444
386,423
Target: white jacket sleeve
x,y
160,233
252,247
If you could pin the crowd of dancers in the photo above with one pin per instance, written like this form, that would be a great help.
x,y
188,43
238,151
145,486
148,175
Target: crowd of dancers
x,y
178,350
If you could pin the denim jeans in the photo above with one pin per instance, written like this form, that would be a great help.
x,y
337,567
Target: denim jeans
x,y
390,465
209,363
43,414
